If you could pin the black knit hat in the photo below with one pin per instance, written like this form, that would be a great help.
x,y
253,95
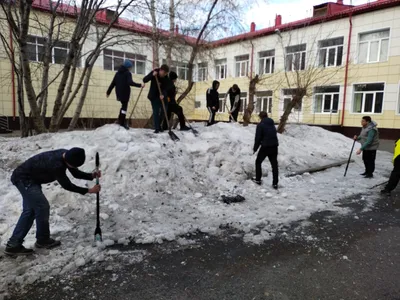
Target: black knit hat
x,y
173,75
75,157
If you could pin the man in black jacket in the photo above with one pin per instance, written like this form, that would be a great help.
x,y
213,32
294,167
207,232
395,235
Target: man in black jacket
x,y
44,168
234,98
267,138
174,107
212,97
154,94
122,82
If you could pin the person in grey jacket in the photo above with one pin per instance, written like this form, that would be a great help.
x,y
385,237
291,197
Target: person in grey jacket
x,y
369,139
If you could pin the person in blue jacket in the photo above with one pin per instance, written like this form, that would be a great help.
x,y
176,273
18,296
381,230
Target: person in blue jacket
x,y
44,168
267,138
122,83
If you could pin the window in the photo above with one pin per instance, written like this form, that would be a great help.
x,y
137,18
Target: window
x,y
197,104
368,98
264,102
373,46
331,52
243,101
266,62
398,103
242,65
114,59
326,99
202,72
36,49
222,106
220,69
295,58
288,95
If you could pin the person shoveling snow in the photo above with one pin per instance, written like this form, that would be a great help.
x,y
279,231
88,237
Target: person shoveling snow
x,y
267,138
44,168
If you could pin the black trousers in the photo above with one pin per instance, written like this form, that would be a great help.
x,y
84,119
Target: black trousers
x,y
272,154
211,118
395,176
122,113
234,115
369,157
176,109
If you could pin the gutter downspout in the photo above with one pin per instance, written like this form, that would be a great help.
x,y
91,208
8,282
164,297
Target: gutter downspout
x,y
12,75
251,61
347,70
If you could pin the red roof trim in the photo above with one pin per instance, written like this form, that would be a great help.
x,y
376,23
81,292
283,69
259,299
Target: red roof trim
x,y
360,9
101,17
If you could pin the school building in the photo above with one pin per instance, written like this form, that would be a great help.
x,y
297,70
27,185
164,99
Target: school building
x,y
347,58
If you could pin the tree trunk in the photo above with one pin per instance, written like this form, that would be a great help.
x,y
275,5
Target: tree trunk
x,y
284,118
250,106
73,51
156,59
23,120
82,98
171,31
25,8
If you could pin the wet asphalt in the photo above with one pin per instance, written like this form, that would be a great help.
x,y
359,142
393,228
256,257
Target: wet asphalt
x,y
328,256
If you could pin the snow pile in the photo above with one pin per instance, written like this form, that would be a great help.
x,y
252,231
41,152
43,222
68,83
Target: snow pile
x,y
154,189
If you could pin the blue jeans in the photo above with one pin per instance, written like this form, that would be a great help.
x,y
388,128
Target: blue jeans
x,y
157,111
34,207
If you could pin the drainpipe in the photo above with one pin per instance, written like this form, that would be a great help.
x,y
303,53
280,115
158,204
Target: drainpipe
x,y
252,29
12,75
347,70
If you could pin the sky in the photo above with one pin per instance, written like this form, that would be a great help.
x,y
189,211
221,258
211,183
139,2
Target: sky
x,y
263,13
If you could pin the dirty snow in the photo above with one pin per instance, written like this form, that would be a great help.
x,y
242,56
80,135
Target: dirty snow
x,y
155,190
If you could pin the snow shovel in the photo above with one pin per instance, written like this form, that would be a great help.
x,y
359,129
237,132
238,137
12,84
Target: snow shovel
x,y
230,116
172,135
195,132
97,232
134,106
348,162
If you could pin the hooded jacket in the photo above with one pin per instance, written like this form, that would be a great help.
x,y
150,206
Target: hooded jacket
x,y
171,91
212,96
122,82
47,167
266,135
154,94
369,137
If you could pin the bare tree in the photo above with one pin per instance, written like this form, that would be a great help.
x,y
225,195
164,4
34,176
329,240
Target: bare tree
x,y
20,17
302,71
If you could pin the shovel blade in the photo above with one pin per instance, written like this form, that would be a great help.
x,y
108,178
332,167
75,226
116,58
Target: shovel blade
x,y
173,136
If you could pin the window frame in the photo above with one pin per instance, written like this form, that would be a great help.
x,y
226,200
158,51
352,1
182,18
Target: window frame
x,y
240,63
398,100
202,67
332,94
243,102
221,64
221,99
369,46
327,48
127,55
284,97
43,44
363,99
293,61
